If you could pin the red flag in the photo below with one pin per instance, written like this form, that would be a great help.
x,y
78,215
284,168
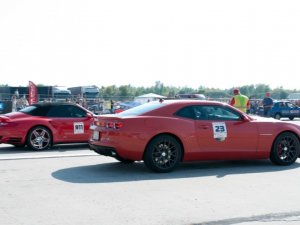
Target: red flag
x,y
33,93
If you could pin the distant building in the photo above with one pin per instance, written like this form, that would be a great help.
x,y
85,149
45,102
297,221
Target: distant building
x,y
294,96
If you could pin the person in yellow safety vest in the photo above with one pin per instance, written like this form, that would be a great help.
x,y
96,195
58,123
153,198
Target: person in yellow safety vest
x,y
240,101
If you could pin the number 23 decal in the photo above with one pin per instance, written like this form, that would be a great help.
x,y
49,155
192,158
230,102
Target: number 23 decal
x,y
220,130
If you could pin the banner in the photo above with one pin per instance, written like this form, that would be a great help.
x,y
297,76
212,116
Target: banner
x,y
33,93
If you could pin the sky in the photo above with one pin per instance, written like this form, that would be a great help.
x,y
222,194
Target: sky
x,y
188,43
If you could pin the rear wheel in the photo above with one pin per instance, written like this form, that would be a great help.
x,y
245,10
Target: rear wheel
x,y
163,154
277,116
286,149
39,138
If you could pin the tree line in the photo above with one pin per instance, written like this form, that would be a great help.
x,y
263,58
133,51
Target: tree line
x,y
256,91
252,91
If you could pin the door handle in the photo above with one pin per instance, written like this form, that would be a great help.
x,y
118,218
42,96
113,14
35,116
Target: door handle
x,y
204,127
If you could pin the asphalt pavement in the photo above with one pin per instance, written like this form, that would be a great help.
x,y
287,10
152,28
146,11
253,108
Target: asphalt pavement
x,y
71,185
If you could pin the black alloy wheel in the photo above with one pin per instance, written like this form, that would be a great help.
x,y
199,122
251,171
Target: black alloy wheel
x,y
286,149
39,138
163,154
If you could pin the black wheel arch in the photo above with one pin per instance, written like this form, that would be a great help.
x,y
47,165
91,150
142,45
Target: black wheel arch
x,y
170,134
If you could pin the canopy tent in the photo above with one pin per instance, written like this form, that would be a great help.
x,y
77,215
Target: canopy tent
x,y
148,98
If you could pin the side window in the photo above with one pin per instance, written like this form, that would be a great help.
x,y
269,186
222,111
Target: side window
x,y
77,112
60,111
221,113
204,112
186,112
201,112
291,105
40,111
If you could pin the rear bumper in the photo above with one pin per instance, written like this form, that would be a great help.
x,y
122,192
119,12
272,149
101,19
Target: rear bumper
x,y
11,140
104,150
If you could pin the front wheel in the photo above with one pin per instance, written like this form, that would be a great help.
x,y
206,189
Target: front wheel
x,y
163,154
39,138
286,149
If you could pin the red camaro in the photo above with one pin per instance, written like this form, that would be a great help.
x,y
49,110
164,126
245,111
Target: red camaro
x,y
41,125
167,132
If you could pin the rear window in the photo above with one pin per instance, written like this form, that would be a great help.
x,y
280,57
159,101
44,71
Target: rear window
x,y
142,109
36,110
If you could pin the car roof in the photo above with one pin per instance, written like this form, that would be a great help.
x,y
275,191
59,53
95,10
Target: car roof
x,y
192,102
170,106
53,103
278,101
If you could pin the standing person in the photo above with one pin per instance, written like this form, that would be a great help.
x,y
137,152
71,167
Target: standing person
x,y
267,104
14,103
240,101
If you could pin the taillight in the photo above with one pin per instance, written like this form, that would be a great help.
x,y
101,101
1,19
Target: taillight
x,y
118,125
3,121
110,124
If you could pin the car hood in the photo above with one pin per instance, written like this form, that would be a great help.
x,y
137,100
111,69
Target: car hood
x,y
264,119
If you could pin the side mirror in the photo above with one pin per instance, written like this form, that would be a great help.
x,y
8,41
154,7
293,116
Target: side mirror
x,y
244,118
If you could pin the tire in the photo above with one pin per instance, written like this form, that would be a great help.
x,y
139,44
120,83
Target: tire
x,y
163,154
291,117
39,138
277,116
125,161
285,150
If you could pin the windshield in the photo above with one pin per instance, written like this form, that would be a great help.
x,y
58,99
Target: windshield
x,y
142,109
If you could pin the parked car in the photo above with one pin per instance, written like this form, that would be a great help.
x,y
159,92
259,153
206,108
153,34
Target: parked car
x,y
41,125
190,96
284,109
164,133
96,108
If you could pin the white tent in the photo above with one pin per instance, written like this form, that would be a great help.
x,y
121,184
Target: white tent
x,y
148,98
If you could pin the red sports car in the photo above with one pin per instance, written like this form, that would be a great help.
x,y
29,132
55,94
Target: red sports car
x,y
41,125
166,132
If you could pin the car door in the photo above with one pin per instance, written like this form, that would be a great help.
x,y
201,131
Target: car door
x,y
294,111
71,123
284,109
222,133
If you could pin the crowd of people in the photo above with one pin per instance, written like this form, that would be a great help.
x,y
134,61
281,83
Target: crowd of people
x,y
18,103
